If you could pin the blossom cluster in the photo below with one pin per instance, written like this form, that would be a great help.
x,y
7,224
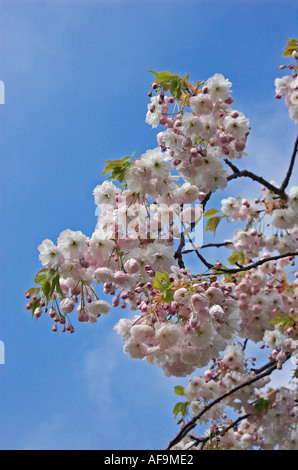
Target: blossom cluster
x,y
185,333
287,87
263,294
198,140
269,417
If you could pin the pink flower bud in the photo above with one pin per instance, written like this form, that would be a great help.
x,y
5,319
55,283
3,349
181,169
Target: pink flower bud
x,y
124,295
229,100
83,316
281,357
239,145
131,266
163,120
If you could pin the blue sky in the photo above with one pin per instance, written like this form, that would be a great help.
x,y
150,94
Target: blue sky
x,y
76,82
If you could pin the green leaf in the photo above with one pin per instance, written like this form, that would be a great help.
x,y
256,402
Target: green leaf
x,y
164,77
211,213
261,405
175,87
46,288
166,276
118,167
157,283
283,319
179,390
154,72
167,296
181,407
212,224
169,81
161,280
291,46
52,274
41,276
33,290
236,258
58,287
34,304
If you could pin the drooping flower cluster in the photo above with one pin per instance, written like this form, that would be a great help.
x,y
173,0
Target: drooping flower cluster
x,y
187,332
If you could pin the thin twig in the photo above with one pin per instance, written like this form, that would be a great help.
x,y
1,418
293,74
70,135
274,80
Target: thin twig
x,y
209,245
203,440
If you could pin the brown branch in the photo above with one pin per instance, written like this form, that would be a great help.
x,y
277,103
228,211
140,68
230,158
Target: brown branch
x,y
178,254
248,174
290,169
209,245
257,263
241,268
206,200
208,265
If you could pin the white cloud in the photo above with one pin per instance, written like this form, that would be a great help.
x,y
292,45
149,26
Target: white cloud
x,y
99,371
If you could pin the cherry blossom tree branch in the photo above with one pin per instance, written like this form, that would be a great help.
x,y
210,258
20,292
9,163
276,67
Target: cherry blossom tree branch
x,y
257,263
179,252
206,200
204,261
209,245
248,174
242,268
264,367
193,422
291,166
